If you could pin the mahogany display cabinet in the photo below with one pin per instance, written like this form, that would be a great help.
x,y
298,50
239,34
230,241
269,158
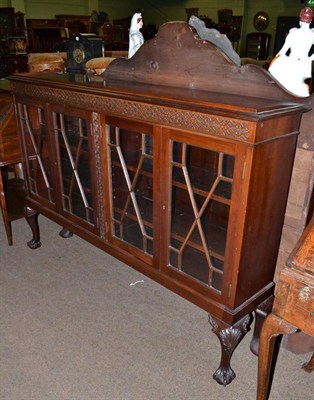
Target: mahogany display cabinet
x,y
175,161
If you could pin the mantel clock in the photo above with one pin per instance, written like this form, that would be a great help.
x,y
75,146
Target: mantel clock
x,y
81,48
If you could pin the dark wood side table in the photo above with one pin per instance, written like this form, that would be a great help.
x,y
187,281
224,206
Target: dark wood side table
x,y
293,308
11,189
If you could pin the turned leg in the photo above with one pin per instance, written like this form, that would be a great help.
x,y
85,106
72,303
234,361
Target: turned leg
x,y
65,233
31,217
272,327
260,313
229,337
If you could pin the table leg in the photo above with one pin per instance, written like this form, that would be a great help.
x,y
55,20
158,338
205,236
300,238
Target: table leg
x,y
272,327
260,313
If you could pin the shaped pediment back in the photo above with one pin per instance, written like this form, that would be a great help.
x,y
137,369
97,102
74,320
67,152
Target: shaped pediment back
x,y
178,57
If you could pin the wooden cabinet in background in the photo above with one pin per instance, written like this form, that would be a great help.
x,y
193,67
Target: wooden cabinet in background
x,y
50,35
17,63
75,23
45,35
257,45
172,162
12,37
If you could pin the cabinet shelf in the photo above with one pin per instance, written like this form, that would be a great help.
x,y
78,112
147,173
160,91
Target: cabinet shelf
x,y
146,169
130,231
180,239
73,148
216,237
201,180
215,234
124,205
131,216
192,265
221,194
67,184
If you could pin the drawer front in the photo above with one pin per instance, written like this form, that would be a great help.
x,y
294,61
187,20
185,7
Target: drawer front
x,y
294,302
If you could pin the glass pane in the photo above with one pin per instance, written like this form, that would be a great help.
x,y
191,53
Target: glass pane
x,y
200,202
34,130
74,155
131,155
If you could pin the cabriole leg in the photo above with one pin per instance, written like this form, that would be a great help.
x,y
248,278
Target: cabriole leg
x,y
272,327
260,313
31,217
229,337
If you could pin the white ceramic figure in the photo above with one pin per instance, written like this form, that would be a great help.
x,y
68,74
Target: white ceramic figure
x,y
291,70
136,38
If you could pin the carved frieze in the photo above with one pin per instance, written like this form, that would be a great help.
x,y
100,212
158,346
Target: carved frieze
x,y
99,180
162,115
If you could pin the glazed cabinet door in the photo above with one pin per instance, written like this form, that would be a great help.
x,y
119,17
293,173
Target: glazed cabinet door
x,y
75,133
131,149
197,195
38,152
